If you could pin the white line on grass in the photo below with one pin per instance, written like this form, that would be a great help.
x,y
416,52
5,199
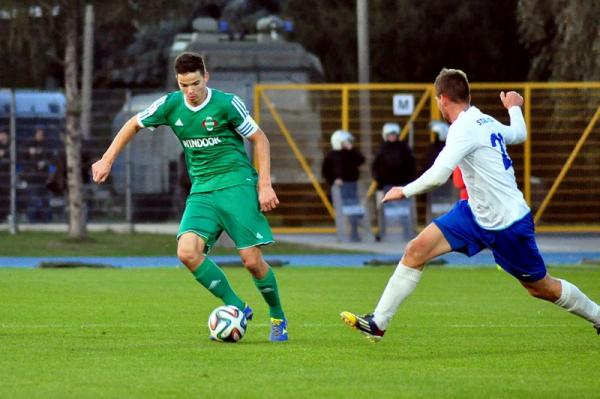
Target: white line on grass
x,y
303,325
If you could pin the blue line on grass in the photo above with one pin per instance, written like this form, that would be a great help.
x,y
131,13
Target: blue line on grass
x,y
333,260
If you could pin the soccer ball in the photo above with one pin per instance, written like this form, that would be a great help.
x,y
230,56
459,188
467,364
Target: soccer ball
x,y
227,324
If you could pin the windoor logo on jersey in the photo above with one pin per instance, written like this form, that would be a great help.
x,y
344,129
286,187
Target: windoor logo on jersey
x,y
203,142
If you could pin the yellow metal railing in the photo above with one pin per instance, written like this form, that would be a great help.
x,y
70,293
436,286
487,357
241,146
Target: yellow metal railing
x,y
298,154
567,165
555,114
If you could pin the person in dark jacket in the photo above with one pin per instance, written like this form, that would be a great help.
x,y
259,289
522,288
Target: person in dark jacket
x,y
342,162
34,172
394,165
4,174
341,168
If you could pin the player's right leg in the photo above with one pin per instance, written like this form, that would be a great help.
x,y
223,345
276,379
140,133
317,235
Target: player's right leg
x,y
190,251
427,245
516,250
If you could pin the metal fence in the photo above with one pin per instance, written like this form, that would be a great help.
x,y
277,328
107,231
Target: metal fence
x,y
558,168
143,184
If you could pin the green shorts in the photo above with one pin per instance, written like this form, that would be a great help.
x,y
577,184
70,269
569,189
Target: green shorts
x,y
234,210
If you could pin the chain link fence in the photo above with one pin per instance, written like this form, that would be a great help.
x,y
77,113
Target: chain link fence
x,y
144,185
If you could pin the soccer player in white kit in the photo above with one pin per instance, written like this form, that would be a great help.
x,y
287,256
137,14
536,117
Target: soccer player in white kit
x,y
495,216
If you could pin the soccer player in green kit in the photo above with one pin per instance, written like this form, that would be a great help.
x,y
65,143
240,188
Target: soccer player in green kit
x,y
227,193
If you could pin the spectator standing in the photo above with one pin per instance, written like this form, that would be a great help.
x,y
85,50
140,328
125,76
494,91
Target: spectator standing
x,y
342,162
35,173
394,165
341,168
4,174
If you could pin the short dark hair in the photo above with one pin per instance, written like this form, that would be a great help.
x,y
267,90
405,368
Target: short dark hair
x,y
453,83
189,62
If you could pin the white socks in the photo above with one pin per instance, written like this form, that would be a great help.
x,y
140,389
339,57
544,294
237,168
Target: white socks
x,y
401,284
576,302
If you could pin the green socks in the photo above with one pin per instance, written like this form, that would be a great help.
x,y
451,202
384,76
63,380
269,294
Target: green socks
x,y
213,279
268,288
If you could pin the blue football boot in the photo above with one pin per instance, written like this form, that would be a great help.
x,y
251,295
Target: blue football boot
x,y
248,312
279,331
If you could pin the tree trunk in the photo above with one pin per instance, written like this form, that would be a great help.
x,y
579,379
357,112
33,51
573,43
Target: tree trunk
x,y
77,211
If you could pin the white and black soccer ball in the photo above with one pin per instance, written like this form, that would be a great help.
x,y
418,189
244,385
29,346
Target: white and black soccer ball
x,y
227,324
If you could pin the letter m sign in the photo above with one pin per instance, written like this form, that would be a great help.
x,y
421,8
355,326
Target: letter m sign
x,y
403,104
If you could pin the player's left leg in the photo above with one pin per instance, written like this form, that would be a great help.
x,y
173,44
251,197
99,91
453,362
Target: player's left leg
x,y
264,279
266,283
567,296
240,215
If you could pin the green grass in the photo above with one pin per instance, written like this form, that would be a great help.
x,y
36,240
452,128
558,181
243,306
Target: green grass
x,y
115,244
141,333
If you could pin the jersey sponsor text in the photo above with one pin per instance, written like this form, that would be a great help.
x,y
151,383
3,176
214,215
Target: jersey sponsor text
x,y
203,142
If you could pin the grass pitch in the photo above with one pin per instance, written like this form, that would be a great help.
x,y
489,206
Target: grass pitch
x,y
141,333
120,244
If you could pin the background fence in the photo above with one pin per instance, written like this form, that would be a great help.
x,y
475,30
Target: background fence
x,y
558,168
143,184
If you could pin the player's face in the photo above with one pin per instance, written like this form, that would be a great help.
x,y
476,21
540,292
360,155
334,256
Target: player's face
x,y
193,86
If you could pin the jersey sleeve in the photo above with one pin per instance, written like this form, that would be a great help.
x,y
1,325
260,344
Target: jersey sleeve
x,y
154,115
459,144
432,178
516,133
240,118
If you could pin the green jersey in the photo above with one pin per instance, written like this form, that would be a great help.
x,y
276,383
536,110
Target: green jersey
x,y
211,135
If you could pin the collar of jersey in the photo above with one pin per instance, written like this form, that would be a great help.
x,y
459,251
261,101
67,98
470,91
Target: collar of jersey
x,y
199,107
464,111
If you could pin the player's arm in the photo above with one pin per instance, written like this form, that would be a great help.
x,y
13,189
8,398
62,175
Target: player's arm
x,y
247,128
430,180
151,117
459,143
101,168
516,133
266,195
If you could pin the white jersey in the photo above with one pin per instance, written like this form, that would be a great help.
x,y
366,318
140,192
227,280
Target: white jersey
x,y
477,142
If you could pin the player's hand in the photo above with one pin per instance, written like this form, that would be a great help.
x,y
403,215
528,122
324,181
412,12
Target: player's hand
x,y
511,99
267,198
101,170
395,194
